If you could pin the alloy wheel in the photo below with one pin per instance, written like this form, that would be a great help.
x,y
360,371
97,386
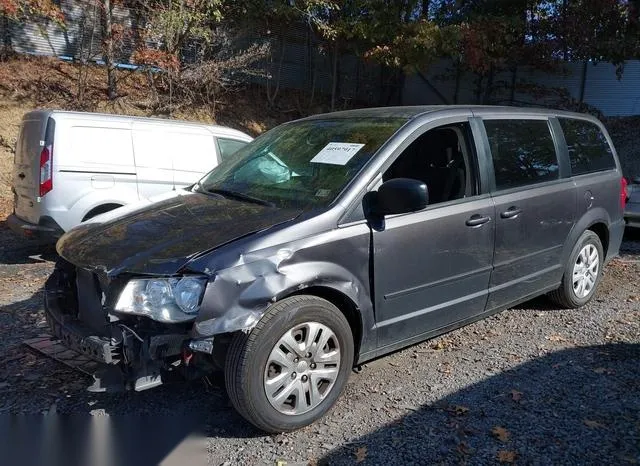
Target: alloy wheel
x,y
585,271
302,368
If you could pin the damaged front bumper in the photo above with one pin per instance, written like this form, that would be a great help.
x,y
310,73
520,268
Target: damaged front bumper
x,y
134,353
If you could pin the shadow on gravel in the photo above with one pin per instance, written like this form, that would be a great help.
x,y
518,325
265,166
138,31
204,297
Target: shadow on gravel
x,y
579,405
17,250
31,304
631,242
541,303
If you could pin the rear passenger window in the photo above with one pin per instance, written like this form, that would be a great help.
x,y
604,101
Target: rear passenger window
x,y
229,147
523,152
589,150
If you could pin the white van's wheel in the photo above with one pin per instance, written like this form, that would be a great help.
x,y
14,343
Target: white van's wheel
x,y
291,368
582,272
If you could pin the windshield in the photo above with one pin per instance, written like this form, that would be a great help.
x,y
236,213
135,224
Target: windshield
x,y
301,165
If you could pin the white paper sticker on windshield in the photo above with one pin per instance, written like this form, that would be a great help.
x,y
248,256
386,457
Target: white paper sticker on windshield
x,y
337,153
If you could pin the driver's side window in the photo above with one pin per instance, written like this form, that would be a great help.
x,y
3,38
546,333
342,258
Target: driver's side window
x,y
443,159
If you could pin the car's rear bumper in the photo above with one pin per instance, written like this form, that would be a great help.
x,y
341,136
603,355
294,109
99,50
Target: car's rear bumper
x,y
616,232
46,229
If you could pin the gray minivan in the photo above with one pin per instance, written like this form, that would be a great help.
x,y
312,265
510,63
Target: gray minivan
x,y
332,240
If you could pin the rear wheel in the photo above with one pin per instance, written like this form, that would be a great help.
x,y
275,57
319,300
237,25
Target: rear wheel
x,y
291,368
582,272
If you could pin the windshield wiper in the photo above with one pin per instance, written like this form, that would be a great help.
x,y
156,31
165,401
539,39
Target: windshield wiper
x,y
239,196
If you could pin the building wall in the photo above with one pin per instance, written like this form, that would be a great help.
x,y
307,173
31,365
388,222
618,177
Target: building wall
x,y
602,88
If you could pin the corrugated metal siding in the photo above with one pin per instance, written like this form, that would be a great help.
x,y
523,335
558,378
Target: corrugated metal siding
x,y
80,37
612,96
305,64
603,90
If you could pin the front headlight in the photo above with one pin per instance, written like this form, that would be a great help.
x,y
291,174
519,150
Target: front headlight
x,y
163,299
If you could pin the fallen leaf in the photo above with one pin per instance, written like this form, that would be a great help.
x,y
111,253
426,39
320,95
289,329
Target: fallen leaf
x,y
592,424
464,449
556,337
516,395
440,344
458,410
501,433
361,454
281,463
604,370
506,456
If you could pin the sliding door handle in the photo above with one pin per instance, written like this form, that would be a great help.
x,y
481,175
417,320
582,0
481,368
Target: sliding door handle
x,y
511,212
477,220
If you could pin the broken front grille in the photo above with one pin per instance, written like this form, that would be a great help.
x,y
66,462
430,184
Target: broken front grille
x,y
90,300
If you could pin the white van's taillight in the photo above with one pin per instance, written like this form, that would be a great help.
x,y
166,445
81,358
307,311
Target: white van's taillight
x,y
46,170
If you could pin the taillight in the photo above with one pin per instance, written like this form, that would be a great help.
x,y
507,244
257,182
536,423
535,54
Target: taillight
x,y
624,193
46,170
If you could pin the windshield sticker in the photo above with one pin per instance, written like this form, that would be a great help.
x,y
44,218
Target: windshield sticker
x,y
337,153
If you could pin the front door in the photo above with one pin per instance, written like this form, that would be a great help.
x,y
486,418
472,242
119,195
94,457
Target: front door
x,y
432,267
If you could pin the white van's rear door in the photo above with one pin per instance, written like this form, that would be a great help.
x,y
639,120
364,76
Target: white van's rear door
x,y
26,167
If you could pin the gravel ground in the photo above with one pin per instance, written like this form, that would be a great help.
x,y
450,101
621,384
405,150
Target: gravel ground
x,y
532,385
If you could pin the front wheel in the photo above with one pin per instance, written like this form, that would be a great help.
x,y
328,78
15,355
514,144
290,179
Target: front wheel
x,y
582,272
291,368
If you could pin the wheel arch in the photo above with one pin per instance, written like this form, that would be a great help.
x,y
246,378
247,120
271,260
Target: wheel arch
x,y
602,230
101,209
596,220
345,304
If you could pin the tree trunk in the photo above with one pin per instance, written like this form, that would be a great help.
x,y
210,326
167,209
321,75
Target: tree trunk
x,y
108,48
271,98
334,83
479,80
456,91
514,72
6,35
424,10
488,90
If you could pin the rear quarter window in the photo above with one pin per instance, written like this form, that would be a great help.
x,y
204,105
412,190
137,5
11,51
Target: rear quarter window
x,y
589,150
523,152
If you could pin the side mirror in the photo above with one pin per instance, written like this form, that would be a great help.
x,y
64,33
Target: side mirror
x,y
401,195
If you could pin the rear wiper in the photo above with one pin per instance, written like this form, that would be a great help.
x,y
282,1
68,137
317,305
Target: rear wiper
x,y
239,196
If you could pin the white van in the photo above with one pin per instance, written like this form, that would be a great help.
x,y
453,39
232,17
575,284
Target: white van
x,y
71,166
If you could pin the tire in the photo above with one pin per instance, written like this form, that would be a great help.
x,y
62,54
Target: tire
x,y
248,377
566,296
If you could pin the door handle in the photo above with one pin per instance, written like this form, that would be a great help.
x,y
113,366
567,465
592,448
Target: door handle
x,y
21,176
477,220
511,212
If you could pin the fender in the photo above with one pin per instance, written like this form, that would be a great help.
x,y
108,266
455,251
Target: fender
x,y
237,297
590,218
97,198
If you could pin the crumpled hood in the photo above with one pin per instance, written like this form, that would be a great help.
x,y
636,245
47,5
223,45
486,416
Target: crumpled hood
x,y
163,237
